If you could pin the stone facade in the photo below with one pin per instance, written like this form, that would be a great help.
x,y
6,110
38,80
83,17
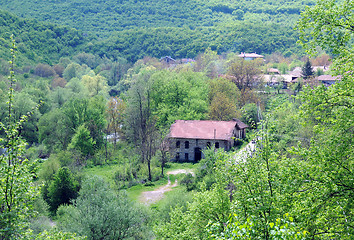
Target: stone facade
x,y
188,138
190,150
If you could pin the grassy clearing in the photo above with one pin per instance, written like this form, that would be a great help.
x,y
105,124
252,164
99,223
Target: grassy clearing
x,y
135,191
185,166
104,171
107,173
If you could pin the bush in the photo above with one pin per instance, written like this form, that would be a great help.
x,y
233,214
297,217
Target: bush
x,y
173,199
62,189
189,181
99,213
44,70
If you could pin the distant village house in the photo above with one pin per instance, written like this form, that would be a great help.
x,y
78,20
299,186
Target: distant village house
x,y
167,60
250,56
329,80
187,138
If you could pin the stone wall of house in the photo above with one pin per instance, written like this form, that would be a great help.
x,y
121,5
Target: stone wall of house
x,y
184,150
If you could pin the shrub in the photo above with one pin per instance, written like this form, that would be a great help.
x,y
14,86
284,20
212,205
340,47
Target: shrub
x,y
44,70
189,181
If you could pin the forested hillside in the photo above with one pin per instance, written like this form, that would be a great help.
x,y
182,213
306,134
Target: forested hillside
x,y
37,41
134,29
105,16
86,150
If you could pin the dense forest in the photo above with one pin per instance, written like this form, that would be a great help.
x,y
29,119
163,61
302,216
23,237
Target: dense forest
x,y
86,105
135,29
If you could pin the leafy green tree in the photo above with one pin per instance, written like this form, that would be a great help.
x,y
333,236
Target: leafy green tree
x,y
99,213
245,74
53,131
115,115
250,114
90,112
140,122
328,171
62,189
328,24
328,164
178,96
82,141
222,108
95,84
282,228
16,188
224,99
208,206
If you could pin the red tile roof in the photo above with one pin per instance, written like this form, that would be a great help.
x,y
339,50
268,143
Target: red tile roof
x,y
199,129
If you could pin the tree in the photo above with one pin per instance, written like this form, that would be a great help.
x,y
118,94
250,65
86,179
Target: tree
x,y
222,108
53,131
328,176
329,25
250,115
63,189
212,206
178,95
99,213
224,97
83,142
90,112
16,188
95,84
245,74
140,122
115,115
307,71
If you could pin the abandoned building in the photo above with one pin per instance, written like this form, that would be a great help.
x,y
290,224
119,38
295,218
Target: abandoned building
x,y
187,138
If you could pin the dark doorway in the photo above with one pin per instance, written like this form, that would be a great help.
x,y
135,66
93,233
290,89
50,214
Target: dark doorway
x,y
197,154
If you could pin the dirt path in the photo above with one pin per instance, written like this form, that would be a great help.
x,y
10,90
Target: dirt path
x,y
150,197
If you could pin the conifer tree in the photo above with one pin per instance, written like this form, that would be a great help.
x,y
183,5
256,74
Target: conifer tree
x,y
307,70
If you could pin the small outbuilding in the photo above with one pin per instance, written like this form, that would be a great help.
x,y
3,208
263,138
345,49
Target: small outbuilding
x,y
187,138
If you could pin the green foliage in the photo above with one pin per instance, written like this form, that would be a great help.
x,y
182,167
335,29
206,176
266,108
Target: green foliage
x,y
307,71
178,96
250,115
99,213
327,25
62,189
213,205
53,235
82,141
177,198
17,191
189,181
37,42
282,228
328,112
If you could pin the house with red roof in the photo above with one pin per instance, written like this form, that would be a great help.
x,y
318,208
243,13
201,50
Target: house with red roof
x,y
187,138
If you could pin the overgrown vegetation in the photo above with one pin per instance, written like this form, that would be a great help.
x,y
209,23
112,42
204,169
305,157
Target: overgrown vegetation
x,y
97,125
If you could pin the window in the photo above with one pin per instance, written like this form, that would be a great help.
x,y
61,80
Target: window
x,y
177,156
178,144
217,145
186,144
208,145
186,156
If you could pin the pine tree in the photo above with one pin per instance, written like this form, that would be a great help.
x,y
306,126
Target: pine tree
x,y
307,70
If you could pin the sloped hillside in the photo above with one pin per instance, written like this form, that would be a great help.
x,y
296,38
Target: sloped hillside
x,y
37,41
104,16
